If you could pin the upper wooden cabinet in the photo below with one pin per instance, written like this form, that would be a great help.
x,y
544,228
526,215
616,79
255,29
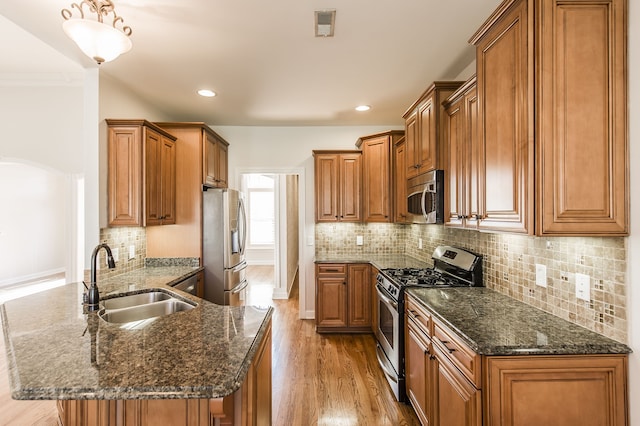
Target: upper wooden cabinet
x,y
338,182
423,129
400,214
141,174
214,166
551,74
378,179
462,152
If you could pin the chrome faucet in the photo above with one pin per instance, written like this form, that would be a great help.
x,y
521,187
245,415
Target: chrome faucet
x,y
92,296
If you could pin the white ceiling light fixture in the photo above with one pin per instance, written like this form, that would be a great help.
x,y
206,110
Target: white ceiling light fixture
x,y
362,108
325,22
99,41
206,93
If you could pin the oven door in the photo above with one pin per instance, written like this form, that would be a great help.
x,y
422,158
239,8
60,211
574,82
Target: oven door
x,y
388,328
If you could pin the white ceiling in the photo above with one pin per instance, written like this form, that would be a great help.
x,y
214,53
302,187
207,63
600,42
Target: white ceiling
x,y
261,57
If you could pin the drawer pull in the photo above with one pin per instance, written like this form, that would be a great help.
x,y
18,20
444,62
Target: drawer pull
x,y
413,313
444,343
332,270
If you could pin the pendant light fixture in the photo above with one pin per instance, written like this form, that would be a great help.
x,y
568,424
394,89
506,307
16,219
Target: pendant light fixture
x,y
98,40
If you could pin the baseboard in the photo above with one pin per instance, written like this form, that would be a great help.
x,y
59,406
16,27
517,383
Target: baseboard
x,y
308,315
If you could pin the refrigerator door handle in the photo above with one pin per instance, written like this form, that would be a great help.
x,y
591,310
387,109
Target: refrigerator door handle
x,y
242,225
240,287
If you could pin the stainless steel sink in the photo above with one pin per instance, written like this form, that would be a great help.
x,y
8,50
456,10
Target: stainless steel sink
x,y
142,306
135,300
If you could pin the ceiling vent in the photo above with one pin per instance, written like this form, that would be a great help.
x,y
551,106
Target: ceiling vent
x,y
325,21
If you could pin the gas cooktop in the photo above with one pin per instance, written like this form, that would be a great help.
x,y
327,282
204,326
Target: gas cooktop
x,y
423,277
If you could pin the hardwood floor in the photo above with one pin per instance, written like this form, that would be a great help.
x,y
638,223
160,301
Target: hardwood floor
x,y
317,379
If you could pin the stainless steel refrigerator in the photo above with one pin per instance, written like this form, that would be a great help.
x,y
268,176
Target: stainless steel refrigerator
x,y
224,223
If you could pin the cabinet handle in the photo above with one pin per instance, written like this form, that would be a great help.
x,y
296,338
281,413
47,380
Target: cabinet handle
x,y
478,216
344,283
414,313
446,347
432,357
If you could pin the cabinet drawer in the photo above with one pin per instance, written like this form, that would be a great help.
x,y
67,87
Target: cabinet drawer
x,y
332,268
465,359
420,316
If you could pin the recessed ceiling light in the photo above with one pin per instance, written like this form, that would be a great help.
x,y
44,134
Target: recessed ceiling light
x,y
206,93
363,108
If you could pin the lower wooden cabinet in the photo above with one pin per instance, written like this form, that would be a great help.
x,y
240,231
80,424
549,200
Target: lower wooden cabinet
x,y
248,406
343,297
449,385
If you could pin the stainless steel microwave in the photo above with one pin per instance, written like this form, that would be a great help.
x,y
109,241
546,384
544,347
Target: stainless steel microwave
x,y
425,197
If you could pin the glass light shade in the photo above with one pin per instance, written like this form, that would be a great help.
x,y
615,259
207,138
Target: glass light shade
x,y
100,42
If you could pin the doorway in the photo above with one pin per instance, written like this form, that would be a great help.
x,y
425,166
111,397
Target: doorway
x,y
272,252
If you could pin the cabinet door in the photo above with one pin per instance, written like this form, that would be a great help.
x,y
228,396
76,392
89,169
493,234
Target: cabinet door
x,y
562,390
505,110
152,177
168,181
472,161
223,159
326,186
417,370
400,180
459,403
581,119
350,188
125,176
209,166
426,147
376,155
331,302
359,295
411,137
455,171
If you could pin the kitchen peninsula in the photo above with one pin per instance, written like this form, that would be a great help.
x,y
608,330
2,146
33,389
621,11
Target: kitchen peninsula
x,y
184,368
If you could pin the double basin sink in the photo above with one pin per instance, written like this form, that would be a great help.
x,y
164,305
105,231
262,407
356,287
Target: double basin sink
x,y
142,306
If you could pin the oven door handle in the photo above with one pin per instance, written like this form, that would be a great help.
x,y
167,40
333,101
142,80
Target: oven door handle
x,y
385,299
382,360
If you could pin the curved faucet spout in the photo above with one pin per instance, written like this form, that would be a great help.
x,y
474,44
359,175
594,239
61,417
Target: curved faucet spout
x,y
93,295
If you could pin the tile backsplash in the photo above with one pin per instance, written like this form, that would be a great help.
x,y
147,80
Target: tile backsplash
x,y
121,239
509,265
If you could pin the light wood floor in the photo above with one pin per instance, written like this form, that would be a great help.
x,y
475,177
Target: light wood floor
x,y
317,379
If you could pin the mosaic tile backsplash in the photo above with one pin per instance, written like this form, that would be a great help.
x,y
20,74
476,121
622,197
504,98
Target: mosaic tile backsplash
x,y
509,265
121,239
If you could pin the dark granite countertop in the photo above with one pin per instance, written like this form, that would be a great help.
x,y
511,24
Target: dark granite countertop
x,y
494,324
56,351
379,261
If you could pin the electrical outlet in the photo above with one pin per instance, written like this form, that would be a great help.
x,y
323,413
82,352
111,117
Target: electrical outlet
x,y
132,251
420,243
583,287
541,275
359,240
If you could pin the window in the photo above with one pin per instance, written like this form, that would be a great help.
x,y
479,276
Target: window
x,y
261,206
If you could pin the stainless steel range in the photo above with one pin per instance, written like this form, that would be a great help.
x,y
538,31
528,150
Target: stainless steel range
x,y
453,267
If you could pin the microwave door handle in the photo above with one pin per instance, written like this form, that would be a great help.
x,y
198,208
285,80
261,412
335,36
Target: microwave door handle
x,y
422,203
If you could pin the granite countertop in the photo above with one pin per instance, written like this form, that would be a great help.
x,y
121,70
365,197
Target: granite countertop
x,y
494,324
57,351
379,261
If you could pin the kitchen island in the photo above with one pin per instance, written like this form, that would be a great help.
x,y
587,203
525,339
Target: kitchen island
x,y
186,367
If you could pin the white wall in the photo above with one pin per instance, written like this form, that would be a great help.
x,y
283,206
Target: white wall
x,y
286,148
633,261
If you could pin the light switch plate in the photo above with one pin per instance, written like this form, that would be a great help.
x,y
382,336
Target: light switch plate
x,y
132,251
115,253
583,287
359,240
541,275
420,243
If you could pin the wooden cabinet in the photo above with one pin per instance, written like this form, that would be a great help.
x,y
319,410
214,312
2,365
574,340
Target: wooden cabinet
x,y
463,160
195,154
423,129
343,297
400,214
420,363
377,182
449,384
551,74
141,174
214,165
374,298
248,406
338,186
